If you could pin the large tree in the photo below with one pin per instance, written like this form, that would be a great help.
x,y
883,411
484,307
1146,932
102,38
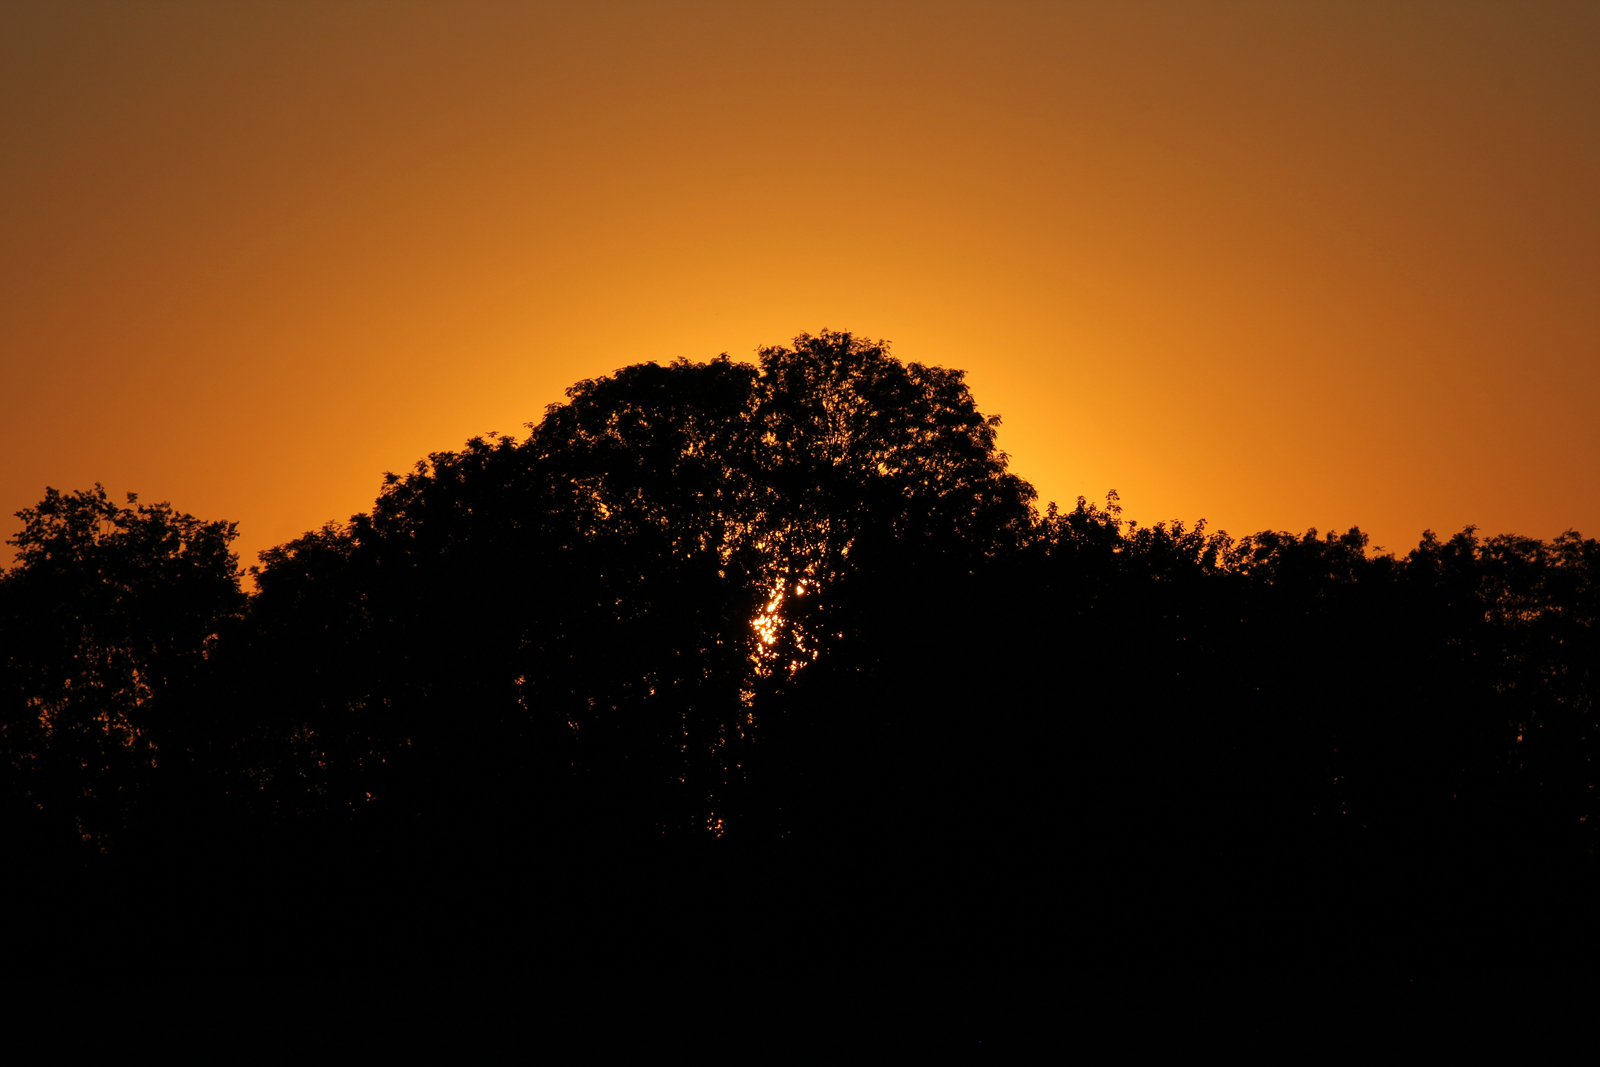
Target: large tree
x,y
609,616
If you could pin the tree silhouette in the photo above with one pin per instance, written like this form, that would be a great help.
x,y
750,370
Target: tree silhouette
x,y
106,623
616,606
797,617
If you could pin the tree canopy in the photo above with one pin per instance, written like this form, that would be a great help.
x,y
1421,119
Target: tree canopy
x,y
106,623
800,609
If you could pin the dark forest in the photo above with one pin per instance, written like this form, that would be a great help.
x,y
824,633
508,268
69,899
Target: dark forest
x,y
764,658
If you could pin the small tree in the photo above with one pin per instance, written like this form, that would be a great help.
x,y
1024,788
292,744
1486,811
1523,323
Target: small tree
x,y
106,620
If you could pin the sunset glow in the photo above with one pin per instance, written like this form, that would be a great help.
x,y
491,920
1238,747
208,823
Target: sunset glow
x,y
1274,267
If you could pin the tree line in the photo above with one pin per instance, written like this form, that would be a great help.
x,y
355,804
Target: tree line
x,y
800,612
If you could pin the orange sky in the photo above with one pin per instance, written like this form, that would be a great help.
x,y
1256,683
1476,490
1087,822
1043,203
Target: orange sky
x,y
1274,265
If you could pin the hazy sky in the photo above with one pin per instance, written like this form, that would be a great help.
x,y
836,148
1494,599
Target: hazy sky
x,y
1275,265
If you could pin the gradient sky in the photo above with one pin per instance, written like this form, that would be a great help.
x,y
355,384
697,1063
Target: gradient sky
x,y
1272,265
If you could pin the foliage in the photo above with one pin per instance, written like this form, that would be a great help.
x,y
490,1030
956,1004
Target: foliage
x,y
801,608
107,621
